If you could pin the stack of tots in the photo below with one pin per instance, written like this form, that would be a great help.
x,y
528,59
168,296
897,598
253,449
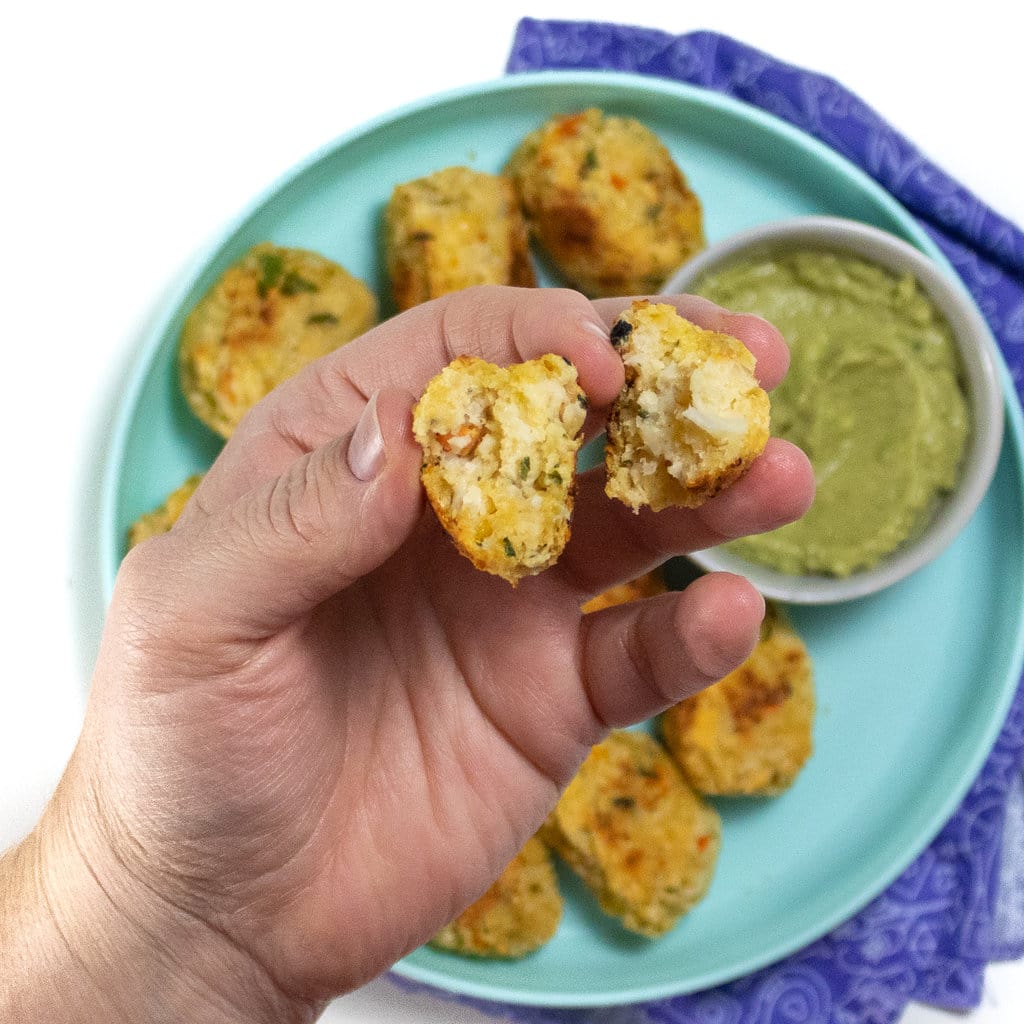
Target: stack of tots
x,y
634,823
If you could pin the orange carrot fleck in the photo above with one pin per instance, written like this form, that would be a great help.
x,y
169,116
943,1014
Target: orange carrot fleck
x,y
570,126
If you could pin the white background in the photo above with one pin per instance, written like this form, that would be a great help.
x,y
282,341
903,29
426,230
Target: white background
x,y
135,131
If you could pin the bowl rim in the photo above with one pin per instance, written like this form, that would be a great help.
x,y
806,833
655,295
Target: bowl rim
x,y
981,377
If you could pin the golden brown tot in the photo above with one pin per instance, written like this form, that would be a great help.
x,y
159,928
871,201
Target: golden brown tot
x,y
518,914
606,202
267,316
635,832
750,733
452,229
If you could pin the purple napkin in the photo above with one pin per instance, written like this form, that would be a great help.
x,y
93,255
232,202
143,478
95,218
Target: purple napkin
x,y
960,905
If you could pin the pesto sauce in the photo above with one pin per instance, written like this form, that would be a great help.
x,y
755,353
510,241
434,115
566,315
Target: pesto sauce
x,y
873,396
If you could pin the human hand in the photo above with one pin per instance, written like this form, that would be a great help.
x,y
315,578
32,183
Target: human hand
x,y
315,732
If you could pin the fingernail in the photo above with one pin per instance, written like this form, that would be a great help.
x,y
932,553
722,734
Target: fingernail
x,y
595,328
712,316
750,320
366,449
716,318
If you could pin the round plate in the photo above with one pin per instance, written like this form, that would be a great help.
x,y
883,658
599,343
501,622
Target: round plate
x,y
909,701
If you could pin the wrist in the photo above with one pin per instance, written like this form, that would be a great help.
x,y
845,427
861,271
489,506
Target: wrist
x,y
90,942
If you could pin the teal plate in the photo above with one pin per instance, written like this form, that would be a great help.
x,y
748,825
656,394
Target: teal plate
x,y
913,683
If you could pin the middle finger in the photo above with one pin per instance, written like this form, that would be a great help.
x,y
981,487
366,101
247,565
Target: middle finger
x,y
611,544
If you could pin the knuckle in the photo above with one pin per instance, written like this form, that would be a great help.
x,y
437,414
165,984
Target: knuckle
x,y
147,602
295,508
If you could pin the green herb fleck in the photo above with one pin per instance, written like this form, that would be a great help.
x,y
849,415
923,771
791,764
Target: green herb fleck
x,y
589,162
271,268
654,212
294,283
510,551
627,803
322,318
524,467
556,476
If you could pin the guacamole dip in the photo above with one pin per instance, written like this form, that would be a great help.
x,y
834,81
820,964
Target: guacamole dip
x,y
873,396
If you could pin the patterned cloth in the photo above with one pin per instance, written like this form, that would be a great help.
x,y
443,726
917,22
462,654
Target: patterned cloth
x,y
960,905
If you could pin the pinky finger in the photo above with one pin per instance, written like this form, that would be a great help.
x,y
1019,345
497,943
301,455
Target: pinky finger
x,y
639,658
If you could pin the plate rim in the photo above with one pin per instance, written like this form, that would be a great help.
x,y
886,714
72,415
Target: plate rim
x,y
111,549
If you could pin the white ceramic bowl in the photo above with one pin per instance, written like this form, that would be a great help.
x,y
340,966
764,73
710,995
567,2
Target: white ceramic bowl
x,y
978,354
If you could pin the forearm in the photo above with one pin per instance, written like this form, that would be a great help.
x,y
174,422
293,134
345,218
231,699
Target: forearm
x,y
80,945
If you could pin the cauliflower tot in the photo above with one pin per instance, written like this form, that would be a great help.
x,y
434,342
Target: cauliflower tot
x,y
499,459
691,417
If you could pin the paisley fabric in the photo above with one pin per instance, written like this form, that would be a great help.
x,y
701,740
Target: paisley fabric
x,y
960,905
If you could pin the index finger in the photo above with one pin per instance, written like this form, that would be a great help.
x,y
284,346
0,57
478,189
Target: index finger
x,y
500,324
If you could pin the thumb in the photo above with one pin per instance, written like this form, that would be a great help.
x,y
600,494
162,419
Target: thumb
x,y
336,514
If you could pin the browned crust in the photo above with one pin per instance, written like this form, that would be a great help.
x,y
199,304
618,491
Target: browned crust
x,y
515,570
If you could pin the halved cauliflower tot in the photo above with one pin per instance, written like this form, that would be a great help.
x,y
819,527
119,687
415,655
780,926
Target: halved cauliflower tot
x,y
499,464
691,417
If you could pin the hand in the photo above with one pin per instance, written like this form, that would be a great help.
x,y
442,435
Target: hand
x,y
316,732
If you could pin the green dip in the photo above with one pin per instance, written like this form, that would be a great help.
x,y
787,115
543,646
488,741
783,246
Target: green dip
x,y
873,396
